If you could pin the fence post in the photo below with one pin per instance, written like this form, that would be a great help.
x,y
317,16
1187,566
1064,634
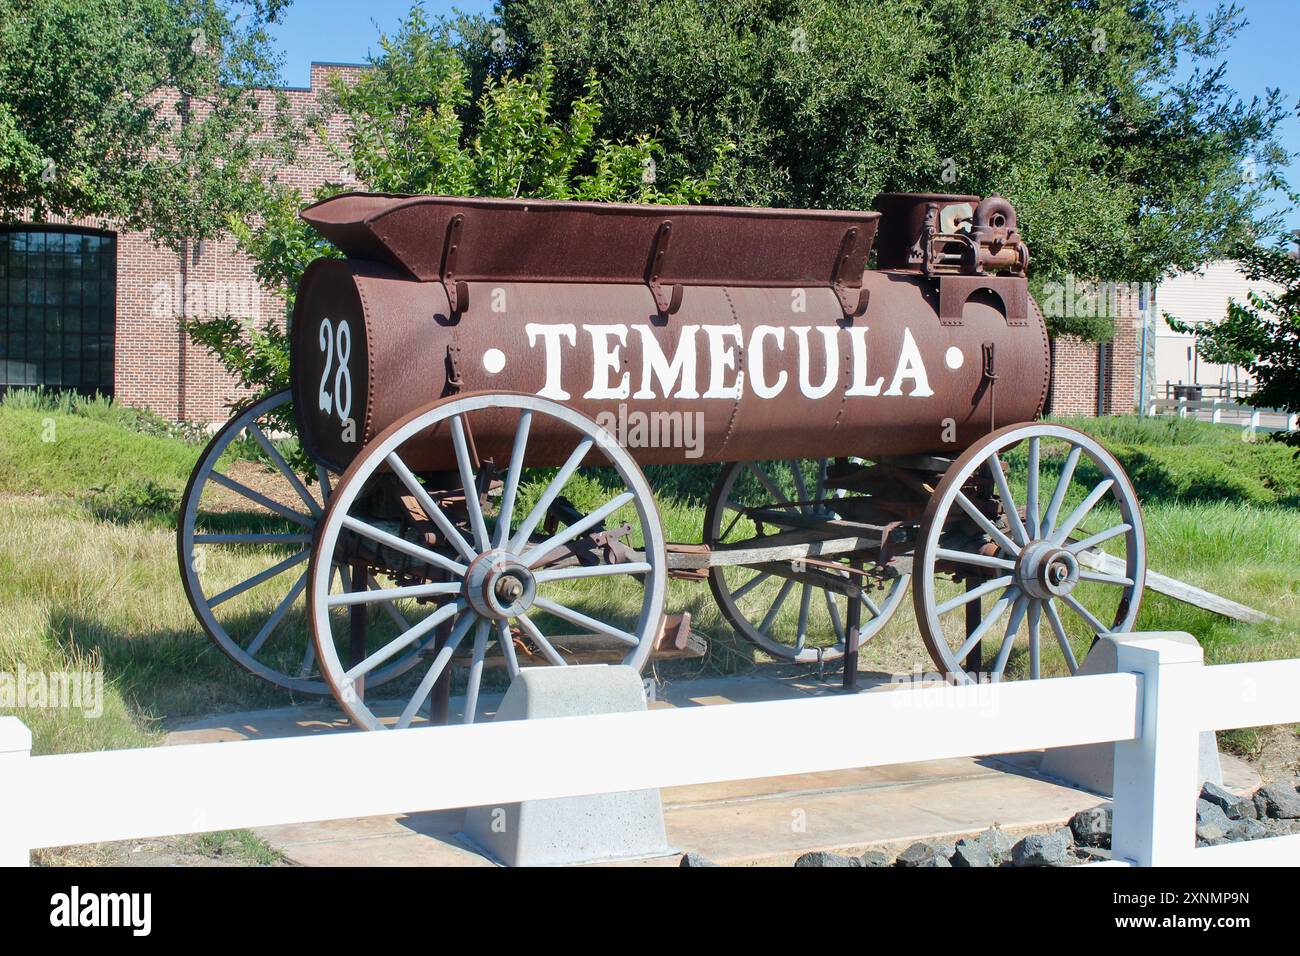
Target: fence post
x,y
15,758
1157,773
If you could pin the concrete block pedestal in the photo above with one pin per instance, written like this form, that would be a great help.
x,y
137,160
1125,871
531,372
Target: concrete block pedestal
x,y
572,830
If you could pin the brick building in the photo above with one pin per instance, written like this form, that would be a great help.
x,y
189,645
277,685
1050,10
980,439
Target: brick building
x,y
85,307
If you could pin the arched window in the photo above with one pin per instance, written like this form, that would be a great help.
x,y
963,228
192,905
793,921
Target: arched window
x,y
58,308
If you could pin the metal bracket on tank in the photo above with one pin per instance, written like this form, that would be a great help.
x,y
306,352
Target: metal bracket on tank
x,y
667,301
456,289
954,291
853,297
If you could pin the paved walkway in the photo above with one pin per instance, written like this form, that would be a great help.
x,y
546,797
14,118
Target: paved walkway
x,y
768,821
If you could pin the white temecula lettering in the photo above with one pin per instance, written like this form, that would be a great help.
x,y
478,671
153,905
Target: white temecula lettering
x,y
607,358
551,335
722,358
766,365
654,362
757,377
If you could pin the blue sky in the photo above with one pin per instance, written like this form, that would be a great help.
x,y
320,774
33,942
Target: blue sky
x,y
1263,55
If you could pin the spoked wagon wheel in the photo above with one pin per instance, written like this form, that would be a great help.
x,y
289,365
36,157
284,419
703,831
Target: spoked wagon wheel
x,y
796,610
243,541
1072,560
513,565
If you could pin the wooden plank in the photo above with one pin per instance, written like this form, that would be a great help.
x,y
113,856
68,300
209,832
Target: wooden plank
x,y
1178,590
787,546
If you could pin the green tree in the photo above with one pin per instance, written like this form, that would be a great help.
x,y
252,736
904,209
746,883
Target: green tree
x,y
143,112
429,118
1261,334
1106,122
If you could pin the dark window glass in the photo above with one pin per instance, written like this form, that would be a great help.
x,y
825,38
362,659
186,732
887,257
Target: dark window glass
x,y
58,309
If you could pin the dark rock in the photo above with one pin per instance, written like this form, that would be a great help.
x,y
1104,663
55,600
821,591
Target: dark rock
x,y
1044,849
874,858
923,855
694,859
1092,827
1234,807
822,858
1248,830
1278,800
1211,822
972,853
1091,854
996,841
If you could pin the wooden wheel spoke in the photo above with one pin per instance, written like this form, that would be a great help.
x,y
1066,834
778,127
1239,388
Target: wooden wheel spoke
x,y
575,530
1078,514
800,486
283,466
1033,526
749,585
534,633
236,538
507,642
1099,538
995,612
775,608
430,507
469,484
1073,603
1035,649
592,571
284,511
551,493
757,471
837,622
349,598
968,557
1009,635
277,615
479,654
987,526
1008,502
511,487
961,600
439,664
405,639
801,634
1062,638
1102,578
402,545
1062,487
583,620
278,568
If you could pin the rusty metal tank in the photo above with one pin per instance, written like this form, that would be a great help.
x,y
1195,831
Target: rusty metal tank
x,y
759,330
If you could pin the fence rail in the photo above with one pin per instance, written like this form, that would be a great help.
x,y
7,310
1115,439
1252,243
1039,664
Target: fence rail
x,y
1214,410
1153,709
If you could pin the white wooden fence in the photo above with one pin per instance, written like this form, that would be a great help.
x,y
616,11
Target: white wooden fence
x,y
1153,710
1224,412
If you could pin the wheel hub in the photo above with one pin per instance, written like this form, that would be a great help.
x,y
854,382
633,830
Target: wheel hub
x,y
498,586
1046,570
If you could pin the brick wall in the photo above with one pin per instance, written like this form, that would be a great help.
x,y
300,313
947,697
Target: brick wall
x,y
1076,364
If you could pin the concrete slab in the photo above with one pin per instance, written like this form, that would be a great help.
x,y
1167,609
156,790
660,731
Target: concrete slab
x,y
767,821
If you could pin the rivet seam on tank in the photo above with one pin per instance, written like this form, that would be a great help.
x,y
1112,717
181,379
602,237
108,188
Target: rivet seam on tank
x,y
741,371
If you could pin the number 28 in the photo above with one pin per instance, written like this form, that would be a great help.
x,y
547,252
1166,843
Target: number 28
x,y
336,341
